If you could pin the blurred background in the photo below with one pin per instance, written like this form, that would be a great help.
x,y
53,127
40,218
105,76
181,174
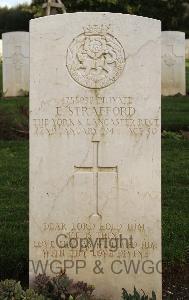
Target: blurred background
x,y
174,14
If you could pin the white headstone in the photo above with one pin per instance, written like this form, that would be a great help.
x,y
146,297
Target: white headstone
x,y
15,63
1,50
95,150
173,63
187,48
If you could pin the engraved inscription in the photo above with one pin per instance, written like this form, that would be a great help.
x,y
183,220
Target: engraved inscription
x,y
107,116
169,58
95,58
83,240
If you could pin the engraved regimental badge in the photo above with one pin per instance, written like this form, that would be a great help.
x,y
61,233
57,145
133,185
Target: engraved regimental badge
x,y
95,58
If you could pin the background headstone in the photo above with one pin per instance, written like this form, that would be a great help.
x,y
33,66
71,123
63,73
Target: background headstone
x,y
15,63
173,63
95,166
1,50
187,48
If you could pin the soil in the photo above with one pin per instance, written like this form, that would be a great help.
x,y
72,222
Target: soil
x,y
176,282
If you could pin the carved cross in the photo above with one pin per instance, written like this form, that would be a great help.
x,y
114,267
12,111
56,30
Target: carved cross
x,y
52,5
96,169
17,60
169,57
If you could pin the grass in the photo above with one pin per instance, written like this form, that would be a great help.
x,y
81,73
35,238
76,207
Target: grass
x,y
175,113
187,76
14,114
175,110
14,118
175,194
1,79
14,209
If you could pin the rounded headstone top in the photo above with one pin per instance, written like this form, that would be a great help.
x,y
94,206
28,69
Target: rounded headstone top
x,y
92,14
95,47
15,32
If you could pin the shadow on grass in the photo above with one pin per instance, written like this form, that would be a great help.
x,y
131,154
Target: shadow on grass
x,y
14,118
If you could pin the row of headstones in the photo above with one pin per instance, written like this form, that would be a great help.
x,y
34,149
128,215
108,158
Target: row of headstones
x,y
15,57
14,51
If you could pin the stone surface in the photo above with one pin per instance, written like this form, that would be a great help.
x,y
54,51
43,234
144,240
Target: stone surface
x,y
173,63
187,48
15,63
1,50
95,150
